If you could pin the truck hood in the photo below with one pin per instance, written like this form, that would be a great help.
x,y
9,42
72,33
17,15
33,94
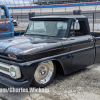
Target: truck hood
x,y
23,45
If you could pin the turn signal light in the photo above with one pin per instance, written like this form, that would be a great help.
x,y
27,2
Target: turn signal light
x,y
12,56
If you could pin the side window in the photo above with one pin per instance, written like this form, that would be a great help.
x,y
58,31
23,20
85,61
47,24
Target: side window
x,y
2,13
78,28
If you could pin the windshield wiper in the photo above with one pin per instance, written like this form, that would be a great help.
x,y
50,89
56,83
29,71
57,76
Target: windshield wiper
x,y
38,35
41,35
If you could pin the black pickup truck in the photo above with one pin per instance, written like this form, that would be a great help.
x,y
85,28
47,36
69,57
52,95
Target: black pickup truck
x,y
49,43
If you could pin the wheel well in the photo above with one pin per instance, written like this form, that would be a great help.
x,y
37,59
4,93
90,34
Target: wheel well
x,y
59,67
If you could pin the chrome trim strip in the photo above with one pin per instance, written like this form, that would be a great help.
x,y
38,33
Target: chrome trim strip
x,y
38,60
46,58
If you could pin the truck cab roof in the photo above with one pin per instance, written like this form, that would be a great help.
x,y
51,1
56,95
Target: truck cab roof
x,y
58,17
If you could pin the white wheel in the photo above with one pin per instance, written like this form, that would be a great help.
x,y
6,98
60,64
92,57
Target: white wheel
x,y
44,74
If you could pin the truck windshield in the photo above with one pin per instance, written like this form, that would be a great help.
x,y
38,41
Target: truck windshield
x,y
48,28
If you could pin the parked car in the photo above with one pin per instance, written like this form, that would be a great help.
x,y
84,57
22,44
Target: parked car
x,y
50,43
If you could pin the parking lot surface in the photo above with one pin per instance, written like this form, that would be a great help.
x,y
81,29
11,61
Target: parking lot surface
x,y
81,85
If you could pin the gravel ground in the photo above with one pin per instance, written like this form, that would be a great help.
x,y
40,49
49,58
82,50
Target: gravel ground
x,y
81,85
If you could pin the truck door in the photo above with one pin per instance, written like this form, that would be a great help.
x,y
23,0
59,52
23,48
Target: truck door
x,y
6,26
82,45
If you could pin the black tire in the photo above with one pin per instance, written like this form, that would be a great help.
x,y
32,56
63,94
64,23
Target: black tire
x,y
37,84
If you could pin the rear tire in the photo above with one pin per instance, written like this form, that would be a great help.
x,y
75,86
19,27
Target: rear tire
x,y
44,74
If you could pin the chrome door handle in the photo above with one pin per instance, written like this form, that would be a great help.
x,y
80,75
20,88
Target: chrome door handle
x,y
72,39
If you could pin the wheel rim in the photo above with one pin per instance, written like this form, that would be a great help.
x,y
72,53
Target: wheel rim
x,y
44,72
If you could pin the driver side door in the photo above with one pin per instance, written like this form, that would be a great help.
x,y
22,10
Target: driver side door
x,y
82,45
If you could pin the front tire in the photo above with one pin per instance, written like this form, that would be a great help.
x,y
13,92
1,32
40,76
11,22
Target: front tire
x,y
44,74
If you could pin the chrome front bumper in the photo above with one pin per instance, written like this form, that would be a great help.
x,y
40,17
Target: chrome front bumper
x,y
12,83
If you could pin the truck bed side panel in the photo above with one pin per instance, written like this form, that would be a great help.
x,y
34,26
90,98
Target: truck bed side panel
x,y
97,47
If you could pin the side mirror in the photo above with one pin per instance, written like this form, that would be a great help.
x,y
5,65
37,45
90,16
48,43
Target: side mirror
x,y
76,21
12,18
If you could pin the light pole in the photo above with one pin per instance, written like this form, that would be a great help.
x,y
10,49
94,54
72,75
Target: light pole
x,y
79,5
30,5
5,2
9,3
23,3
14,3
18,2
95,10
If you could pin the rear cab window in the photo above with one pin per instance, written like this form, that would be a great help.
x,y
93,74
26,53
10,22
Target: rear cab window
x,y
3,14
78,28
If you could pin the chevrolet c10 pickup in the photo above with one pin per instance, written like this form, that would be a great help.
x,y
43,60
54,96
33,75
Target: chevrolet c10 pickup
x,y
50,44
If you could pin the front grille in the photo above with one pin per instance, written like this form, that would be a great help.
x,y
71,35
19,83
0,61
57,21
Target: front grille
x,y
5,69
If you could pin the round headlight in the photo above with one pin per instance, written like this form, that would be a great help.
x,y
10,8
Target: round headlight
x,y
12,72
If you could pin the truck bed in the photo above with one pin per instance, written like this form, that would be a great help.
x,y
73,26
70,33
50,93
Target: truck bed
x,y
19,30
95,34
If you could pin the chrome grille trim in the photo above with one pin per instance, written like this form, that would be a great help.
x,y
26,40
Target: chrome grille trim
x,y
5,69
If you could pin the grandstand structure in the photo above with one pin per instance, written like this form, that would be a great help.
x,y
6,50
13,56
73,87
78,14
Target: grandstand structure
x,y
47,2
